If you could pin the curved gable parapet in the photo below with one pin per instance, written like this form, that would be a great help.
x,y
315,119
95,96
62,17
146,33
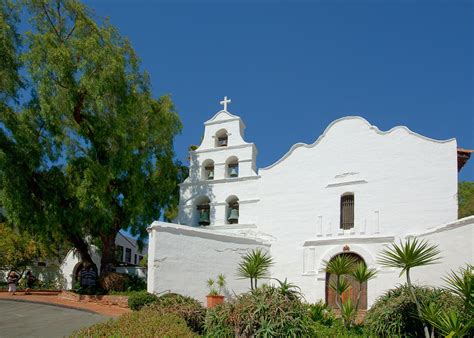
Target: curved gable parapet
x,y
223,115
349,118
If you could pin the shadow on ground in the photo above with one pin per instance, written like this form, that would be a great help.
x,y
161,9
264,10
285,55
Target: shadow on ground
x,y
22,319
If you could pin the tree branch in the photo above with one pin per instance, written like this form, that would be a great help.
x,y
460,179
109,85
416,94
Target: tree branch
x,y
51,22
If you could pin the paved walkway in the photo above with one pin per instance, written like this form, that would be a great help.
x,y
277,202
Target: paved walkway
x,y
106,310
25,319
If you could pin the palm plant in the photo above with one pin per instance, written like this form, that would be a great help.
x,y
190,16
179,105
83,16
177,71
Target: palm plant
x,y
408,255
362,274
255,265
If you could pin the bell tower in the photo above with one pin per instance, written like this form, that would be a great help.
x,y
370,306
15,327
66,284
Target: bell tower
x,y
220,168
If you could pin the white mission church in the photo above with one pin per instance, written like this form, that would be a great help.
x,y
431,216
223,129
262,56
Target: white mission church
x,y
354,190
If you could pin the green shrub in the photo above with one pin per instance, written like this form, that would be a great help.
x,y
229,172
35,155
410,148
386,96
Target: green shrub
x,y
139,324
138,300
190,309
265,311
336,330
395,313
135,283
320,312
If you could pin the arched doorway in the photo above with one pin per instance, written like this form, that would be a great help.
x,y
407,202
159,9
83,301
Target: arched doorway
x,y
352,292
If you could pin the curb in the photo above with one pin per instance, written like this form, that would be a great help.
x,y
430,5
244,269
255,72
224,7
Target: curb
x,y
56,305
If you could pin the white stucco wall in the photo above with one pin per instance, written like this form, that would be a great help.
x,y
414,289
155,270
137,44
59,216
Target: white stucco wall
x,y
181,259
456,243
403,183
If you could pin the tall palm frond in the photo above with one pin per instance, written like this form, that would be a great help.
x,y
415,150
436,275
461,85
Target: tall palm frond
x,y
255,265
362,273
340,265
462,284
408,255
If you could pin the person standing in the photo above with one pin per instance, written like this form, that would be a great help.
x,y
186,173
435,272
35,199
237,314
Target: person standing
x,y
30,282
12,280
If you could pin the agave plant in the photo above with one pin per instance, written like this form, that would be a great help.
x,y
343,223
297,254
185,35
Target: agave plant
x,y
408,255
288,289
255,265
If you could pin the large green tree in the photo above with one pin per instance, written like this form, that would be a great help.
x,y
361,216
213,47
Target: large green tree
x,y
466,199
85,150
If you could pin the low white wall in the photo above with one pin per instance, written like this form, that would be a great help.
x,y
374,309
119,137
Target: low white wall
x,y
132,270
456,243
181,259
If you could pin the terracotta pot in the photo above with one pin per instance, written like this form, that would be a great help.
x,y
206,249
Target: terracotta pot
x,y
214,300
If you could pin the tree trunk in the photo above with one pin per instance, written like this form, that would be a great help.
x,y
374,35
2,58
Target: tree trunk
x,y
338,304
83,249
107,261
418,307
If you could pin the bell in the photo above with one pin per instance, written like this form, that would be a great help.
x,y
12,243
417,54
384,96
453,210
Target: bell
x,y
204,217
210,175
234,172
233,216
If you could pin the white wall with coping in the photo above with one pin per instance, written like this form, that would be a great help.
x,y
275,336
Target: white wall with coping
x,y
455,240
182,259
403,183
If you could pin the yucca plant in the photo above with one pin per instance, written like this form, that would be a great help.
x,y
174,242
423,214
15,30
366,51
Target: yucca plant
x,y
348,312
407,255
255,265
449,324
362,274
339,266
462,284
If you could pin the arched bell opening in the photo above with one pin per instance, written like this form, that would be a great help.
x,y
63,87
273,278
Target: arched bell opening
x,y
207,172
203,211
221,138
232,167
353,290
232,213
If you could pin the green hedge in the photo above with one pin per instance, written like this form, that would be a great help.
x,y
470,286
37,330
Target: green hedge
x,y
395,314
190,309
265,312
139,299
143,323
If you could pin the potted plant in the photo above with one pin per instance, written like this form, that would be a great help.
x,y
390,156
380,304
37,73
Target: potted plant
x,y
216,288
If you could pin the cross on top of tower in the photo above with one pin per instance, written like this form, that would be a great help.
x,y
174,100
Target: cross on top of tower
x,y
225,102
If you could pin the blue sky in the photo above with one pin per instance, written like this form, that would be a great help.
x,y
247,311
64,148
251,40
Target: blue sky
x,y
291,68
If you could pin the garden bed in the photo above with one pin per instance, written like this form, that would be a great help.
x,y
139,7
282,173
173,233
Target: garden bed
x,y
121,301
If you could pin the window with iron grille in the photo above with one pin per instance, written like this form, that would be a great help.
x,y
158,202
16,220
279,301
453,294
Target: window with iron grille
x,y
347,211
